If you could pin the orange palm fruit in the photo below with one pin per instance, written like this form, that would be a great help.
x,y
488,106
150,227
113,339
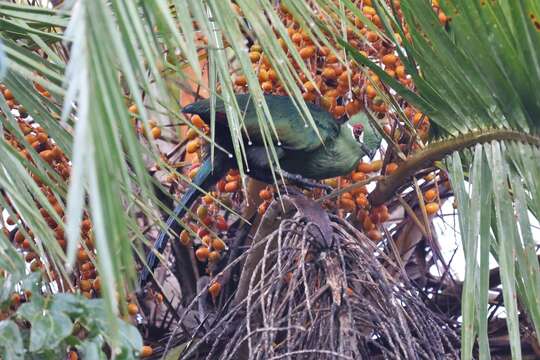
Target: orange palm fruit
x,y
374,235
214,289
192,146
146,351
133,309
430,195
432,208
391,168
214,256
231,186
218,244
265,194
365,167
202,253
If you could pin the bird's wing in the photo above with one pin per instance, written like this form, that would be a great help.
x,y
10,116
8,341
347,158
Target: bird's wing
x,y
289,131
259,158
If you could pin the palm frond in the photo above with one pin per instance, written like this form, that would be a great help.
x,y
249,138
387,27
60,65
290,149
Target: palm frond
x,y
474,73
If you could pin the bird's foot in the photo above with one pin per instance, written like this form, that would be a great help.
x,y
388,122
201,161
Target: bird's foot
x,y
304,183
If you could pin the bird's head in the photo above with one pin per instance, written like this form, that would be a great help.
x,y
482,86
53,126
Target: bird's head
x,y
356,131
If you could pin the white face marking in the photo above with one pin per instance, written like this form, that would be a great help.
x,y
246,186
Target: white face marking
x,y
352,130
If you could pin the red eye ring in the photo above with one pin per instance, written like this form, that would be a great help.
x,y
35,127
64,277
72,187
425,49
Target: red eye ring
x,y
357,129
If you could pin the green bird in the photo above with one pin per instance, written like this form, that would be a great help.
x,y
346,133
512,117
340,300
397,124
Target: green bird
x,y
302,153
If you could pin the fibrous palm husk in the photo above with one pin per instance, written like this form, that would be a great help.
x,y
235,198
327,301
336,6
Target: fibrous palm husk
x,y
312,287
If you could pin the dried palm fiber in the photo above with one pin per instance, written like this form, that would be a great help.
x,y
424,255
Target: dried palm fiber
x,y
312,287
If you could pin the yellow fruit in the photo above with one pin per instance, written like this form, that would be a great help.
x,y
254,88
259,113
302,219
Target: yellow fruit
x,y
97,284
338,111
328,102
208,199
256,48
370,91
82,256
207,240
254,56
347,204
367,224
443,19
372,36
191,134
202,211
156,132
296,38
262,208
193,172
47,155
185,239
193,146
353,107
400,71
368,10
376,165
263,75
85,285
309,86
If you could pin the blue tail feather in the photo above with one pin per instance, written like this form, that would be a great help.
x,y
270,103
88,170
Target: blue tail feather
x,y
206,177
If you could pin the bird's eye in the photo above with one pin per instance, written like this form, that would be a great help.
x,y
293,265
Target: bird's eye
x,y
357,130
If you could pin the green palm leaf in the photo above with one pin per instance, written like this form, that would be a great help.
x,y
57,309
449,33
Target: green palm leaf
x,y
478,73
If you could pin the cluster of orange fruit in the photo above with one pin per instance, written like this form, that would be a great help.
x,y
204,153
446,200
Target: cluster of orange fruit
x,y
331,82
443,18
155,130
342,89
35,137
266,195
85,278
356,200
208,222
